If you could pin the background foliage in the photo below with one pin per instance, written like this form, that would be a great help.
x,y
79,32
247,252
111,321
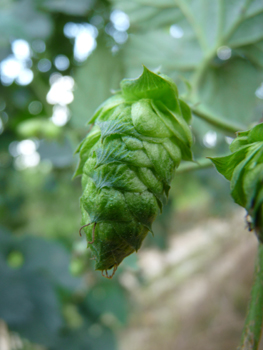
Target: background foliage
x,y
213,51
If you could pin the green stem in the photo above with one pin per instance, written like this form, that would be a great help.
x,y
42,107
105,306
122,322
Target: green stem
x,y
253,324
229,127
202,163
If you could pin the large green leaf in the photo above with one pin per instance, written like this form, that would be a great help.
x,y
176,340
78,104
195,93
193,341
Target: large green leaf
x,y
22,19
31,269
224,85
76,7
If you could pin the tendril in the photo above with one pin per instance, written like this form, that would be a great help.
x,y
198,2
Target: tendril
x,y
113,272
93,232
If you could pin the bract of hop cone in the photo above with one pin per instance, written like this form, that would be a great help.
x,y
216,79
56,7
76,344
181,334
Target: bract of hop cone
x,y
244,169
127,160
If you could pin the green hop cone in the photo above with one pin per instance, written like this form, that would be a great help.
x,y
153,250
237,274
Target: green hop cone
x,y
127,162
244,169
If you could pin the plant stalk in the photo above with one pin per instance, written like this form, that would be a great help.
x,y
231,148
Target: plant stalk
x,y
229,127
253,324
202,163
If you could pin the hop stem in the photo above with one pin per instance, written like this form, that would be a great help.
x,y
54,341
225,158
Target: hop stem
x,y
201,163
253,323
228,127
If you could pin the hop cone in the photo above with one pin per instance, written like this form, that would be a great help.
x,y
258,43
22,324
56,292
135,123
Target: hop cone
x,y
244,169
127,161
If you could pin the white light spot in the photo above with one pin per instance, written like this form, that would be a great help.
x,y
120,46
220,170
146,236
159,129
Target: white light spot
x,y
60,115
12,148
61,91
35,107
109,29
115,48
1,126
25,77
6,81
21,49
26,147
61,62
176,31
85,43
54,77
38,46
27,161
11,67
224,53
259,92
120,20
71,30
120,37
210,139
229,140
85,35
44,65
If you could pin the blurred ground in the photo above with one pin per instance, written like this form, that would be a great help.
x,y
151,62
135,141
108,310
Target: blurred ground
x,y
196,292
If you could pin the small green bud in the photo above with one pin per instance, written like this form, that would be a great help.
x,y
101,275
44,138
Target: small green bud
x,y
244,169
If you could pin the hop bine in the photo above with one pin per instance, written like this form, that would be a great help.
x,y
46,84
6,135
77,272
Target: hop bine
x,y
137,140
244,169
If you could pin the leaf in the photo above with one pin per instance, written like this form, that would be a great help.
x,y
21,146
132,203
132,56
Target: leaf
x,y
91,336
225,86
249,31
94,81
256,134
29,302
149,14
56,267
178,126
238,143
114,127
226,165
84,149
22,20
236,185
117,152
152,86
251,184
76,7
254,53
108,298
118,176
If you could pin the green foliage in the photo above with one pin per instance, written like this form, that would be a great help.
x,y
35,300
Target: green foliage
x,y
42,200
244,169
127,162
203,28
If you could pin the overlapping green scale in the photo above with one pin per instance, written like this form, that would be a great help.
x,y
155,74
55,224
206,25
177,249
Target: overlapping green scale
x,y
244,169
127,162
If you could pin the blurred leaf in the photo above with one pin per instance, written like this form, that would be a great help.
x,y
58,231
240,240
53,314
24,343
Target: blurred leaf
x,y
108,298
150,14
76,7
226,165
94,80
88,337
49,257
256,134
225,86
38,127
230,90
29,303
21,19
